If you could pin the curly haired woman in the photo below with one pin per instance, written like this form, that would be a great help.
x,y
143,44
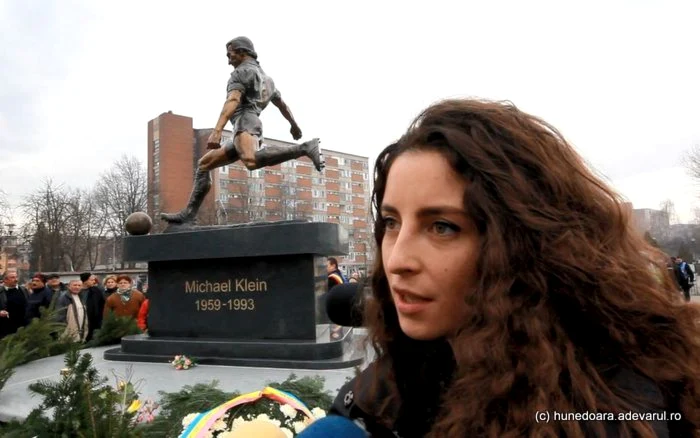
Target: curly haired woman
x,y
511,293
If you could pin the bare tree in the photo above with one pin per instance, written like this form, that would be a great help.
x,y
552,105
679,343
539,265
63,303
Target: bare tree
x,y
4,208
121,191
8,236
46,213
691,162
96,228
61,227
85,229
75,239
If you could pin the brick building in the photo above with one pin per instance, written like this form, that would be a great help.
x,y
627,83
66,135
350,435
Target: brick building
x,y
289,191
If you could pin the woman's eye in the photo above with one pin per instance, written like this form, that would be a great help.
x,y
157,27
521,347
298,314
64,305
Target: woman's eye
x,y
445,228
390,223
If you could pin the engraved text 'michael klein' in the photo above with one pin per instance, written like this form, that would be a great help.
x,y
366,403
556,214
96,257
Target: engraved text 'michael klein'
x,y
237,285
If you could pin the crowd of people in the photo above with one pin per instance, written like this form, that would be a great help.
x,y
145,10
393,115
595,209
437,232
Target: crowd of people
x,y
81,304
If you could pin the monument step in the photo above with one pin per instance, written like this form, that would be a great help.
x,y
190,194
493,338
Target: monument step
x,y
349,359
322,354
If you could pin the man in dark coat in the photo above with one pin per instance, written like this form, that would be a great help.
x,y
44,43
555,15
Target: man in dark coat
x,y
94,303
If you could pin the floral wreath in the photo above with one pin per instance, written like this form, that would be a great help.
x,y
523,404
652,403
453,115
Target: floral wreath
x,y
200,425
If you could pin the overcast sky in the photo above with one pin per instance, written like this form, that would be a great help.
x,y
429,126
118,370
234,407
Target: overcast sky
x,y
79,80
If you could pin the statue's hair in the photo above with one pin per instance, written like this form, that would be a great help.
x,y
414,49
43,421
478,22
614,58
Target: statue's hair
x,y
566,288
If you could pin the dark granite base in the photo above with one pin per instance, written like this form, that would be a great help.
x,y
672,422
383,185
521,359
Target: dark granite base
x,y
319,355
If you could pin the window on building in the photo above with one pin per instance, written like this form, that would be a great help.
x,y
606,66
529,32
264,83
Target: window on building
x,y
317,181
223,169
348,208
341,161
223,197
257,173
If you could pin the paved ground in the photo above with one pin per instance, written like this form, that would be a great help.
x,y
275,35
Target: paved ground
x,y
17,402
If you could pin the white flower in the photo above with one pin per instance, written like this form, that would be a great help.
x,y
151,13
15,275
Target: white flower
x,y
318,413
188,419
288,411
219,425
299,426
263,417
237,422
288,433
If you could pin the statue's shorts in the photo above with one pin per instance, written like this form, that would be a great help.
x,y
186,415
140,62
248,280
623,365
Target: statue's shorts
x,y
248,122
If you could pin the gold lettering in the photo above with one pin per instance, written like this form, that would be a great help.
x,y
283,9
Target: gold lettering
x,y
195,286
241,285
216,305
190,287
237,285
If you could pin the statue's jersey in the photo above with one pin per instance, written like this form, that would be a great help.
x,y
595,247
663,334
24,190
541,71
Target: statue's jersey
x,y
257,89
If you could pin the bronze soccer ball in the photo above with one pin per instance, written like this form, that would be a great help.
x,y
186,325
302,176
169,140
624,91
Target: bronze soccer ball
x,y
138,224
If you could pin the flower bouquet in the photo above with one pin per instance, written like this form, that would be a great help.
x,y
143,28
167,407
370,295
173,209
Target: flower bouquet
x,y
225,422
182,362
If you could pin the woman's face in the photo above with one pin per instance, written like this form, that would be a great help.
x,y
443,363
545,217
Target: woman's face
x,y
124,284
430,246
110,283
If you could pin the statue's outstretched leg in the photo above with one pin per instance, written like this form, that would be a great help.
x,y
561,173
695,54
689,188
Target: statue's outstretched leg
x,y
271,154
200,188
202,183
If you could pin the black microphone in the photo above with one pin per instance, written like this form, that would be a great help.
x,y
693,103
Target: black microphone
x,y
344,304
333,426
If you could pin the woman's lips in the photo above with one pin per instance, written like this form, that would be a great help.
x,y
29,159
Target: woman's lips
x,y
408,303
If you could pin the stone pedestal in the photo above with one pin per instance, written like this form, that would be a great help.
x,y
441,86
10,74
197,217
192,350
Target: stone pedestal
x,y
248,295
